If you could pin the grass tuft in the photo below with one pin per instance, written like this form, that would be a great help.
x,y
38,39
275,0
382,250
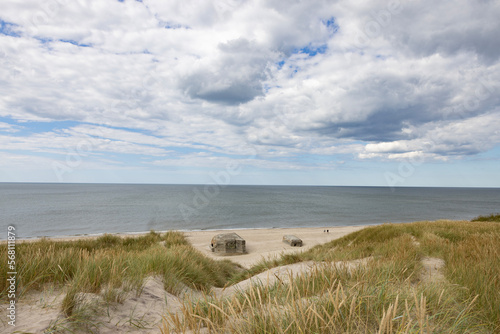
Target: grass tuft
x,y
490,218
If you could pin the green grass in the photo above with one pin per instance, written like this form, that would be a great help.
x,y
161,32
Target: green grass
x,y
490,218
110,263
388,295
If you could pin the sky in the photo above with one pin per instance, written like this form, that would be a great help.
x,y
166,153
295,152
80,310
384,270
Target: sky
x,y
360,93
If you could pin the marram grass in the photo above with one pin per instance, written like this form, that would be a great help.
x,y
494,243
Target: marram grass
x,y
488,218
110,262
387,295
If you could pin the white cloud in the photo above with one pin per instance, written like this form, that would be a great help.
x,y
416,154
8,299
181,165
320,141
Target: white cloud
x,y
374,80
9,128
74,142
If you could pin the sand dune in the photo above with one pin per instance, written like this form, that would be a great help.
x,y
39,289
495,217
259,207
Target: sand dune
x,y
143,313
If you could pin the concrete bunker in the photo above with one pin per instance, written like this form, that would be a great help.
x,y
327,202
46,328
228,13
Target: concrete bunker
x,y
292,240
228,243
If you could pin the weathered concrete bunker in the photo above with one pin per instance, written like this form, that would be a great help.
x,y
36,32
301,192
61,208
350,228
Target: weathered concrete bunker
x,y
292,240
228,243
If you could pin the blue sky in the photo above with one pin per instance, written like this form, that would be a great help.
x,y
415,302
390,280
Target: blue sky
x,y
374,93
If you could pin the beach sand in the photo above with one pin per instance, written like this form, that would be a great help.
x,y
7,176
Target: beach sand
x,y
265,243
40,310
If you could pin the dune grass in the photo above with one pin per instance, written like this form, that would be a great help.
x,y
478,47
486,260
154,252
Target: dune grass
x,y
110,265
489,218
390,294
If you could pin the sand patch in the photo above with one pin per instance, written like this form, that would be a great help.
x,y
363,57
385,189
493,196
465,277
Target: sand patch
x,y
140,313
35,312
433,269
268,243
285,273
38,312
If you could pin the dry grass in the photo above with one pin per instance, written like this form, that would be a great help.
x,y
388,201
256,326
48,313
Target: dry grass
x,y
110,266
385,296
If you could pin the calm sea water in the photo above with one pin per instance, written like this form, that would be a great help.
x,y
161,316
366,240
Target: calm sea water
x,y
75,209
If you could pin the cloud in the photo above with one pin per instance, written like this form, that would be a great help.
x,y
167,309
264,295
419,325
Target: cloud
x,y
71,141
9,128
467,27
235,76
449,140
196,80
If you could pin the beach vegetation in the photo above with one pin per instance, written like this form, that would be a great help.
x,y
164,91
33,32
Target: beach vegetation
x,y
424,277
494,217
110,266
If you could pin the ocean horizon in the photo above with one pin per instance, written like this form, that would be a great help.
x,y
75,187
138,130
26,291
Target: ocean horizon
x,y
71,209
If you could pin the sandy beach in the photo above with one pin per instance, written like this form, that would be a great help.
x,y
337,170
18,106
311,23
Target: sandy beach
x,y
265,243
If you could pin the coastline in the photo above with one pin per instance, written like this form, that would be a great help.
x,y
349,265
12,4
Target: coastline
x,y
70,237
260,242
62,210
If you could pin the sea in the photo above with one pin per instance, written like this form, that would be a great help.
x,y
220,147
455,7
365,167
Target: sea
x,y
60,209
